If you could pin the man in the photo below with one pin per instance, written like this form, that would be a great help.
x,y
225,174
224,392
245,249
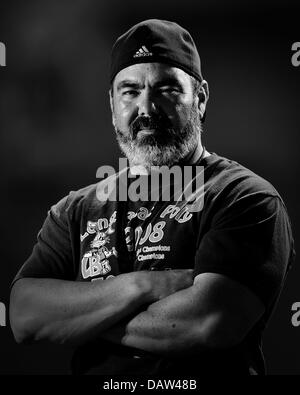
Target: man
x,y
226,260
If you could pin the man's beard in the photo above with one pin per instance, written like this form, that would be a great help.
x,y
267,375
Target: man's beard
x,y
166,146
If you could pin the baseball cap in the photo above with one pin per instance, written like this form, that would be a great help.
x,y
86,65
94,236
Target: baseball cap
x,y
155,40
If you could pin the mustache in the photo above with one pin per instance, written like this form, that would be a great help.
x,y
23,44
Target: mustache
x,y
149,122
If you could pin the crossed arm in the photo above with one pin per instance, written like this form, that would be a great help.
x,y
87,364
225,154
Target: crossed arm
x,y
180,314
215,312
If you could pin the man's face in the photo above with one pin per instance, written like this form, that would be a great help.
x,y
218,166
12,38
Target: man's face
x,y
155,114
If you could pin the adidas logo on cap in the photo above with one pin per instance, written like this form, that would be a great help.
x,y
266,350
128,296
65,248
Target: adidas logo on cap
x,y
143,51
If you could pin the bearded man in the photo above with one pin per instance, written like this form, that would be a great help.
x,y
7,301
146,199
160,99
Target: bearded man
x,y
180,291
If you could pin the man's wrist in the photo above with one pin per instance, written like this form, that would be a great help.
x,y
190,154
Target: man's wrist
x,y
143,286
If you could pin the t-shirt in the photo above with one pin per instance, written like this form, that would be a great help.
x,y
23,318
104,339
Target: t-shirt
x,y
233,223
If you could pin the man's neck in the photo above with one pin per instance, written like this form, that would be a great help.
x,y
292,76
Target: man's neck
x,y
195,155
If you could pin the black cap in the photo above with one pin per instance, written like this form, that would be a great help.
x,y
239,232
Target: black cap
x,y
155,40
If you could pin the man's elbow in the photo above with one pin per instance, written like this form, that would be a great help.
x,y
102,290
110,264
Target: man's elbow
x,y
20,317
217,333
20,331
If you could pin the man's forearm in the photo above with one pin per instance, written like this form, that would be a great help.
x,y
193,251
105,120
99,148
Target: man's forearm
x,y
212,314
166,326
73,312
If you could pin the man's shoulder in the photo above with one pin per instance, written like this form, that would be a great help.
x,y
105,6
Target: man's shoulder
x,y
90,197
80,197
227,176
73,200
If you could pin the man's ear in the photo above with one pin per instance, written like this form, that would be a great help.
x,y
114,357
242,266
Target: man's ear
x,y
111,102
203,96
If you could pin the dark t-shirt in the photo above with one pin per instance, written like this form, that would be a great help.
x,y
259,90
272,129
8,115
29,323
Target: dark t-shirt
x,y
240,229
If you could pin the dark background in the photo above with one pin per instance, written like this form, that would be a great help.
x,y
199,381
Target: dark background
x,y
55,122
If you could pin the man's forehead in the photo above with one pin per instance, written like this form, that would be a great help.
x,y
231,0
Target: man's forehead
x,y
151,72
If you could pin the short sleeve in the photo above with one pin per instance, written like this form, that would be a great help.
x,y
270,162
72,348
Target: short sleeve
x,y
52,254
251,242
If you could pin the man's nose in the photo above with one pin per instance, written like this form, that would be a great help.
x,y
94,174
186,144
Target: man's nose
x,y
146,105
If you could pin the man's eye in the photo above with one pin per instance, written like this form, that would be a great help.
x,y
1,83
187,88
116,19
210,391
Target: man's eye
x,y
169,90
130,92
